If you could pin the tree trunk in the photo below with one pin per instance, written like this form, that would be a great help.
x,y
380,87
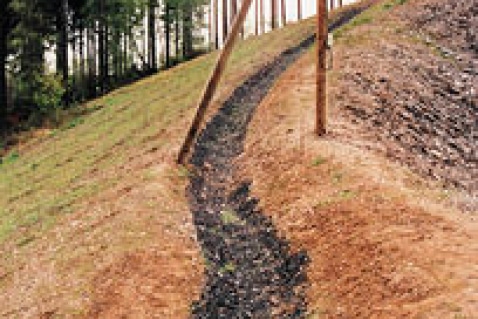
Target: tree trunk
x,y
184,32
167,32
101,46
209,17
243,30
283,12
216,22
256,17
62,44
116,56
273,14
299,10
263,17
176,33
91,53
106,60
152,34
74,84
3,82
125,55
224,21
187,31
82,60
233,10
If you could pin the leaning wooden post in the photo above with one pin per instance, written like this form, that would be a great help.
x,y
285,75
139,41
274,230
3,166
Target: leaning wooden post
x,y
321,112
213,82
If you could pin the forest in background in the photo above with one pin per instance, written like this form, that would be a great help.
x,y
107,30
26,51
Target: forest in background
x,y
99,45
95,43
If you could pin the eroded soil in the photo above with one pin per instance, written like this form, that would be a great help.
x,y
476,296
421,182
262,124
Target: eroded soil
x,y
251,272
421,100
384,237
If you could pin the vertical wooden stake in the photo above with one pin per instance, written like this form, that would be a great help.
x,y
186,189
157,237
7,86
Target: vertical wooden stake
x,y
340,3
321,111
213,82
332,4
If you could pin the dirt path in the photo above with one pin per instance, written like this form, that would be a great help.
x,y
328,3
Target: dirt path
x,y
251,272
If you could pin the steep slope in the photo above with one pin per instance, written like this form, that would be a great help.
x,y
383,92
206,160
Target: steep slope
x,y
251,272
421,99
391,230
93,216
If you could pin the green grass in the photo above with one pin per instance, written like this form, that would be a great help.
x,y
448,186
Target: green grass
x,y
228,268
391,4
230,217
366,17
319,161
55,174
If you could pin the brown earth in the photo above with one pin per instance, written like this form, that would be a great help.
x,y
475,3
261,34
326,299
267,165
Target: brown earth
x,y
384,241
421,99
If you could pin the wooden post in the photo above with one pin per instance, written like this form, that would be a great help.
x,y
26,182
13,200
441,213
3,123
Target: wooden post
x,y
332,4
299,10
321,111
283,13
340,3
213,82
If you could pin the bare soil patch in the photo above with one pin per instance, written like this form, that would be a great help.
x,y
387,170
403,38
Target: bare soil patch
x,y
415,96
384,239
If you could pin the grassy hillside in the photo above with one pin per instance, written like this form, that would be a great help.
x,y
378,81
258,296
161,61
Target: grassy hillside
x,y
60,191
50,176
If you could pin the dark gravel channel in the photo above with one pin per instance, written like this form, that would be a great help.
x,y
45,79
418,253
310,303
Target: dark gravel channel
x,y
250,269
